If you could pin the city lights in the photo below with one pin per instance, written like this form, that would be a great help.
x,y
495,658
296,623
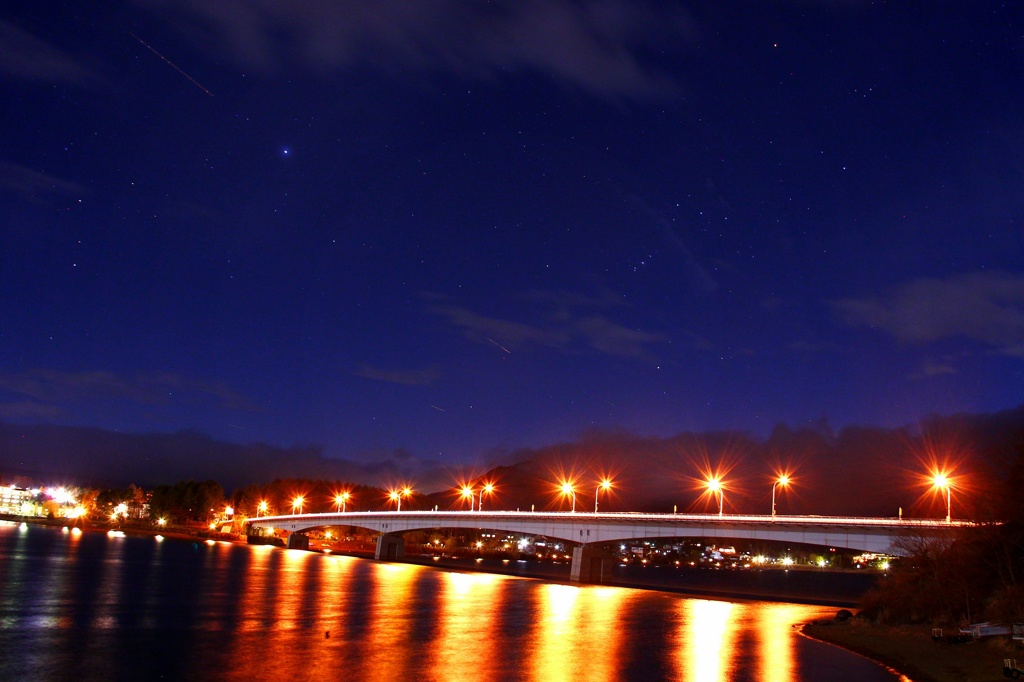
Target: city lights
x,y
297,503
262,507
341,500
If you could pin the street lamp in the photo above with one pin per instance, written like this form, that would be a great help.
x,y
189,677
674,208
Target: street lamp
x,y
489,489
467,494
297,503
605,485
715,486
397,495
341,499
942,481
569,489
783,481
261,508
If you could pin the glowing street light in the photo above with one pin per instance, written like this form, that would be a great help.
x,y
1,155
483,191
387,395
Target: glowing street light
x,y
261,508
605,485
715,486
229,511
341,499
298,502
397,495
161,522
940,481
467,494
569,489
783,481
489,489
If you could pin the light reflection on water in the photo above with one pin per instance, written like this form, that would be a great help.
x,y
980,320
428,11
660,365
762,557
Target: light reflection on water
x,y
465,644
774,627
704,646
92,607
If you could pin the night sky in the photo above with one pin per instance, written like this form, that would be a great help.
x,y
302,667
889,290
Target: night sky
x,y
435,230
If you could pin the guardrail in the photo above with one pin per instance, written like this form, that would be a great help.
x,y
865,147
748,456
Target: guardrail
x,y
640,516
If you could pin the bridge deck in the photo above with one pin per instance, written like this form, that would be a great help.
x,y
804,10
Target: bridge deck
x,y
858,533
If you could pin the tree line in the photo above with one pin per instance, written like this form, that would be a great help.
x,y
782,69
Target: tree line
x,y
975,576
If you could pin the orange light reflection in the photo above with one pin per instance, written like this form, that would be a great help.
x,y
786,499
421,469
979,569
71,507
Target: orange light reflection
x,y
388,639
569,620
466,620
707,631
774,628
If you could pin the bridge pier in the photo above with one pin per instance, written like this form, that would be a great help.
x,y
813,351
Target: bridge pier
x,y
590,563
298,541
390,548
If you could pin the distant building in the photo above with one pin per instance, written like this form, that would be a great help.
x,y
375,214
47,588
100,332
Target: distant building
x,y
20,501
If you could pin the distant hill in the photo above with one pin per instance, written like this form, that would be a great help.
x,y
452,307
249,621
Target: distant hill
x,y
857,471
97,457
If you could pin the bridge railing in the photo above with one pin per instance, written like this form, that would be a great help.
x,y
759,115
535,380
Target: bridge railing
x,y
632,517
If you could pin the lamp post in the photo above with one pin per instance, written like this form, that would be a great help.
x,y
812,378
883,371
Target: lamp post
x,y
261,508
489,489
569,489
341,499
397,495
605,485
783,481
942,481
715,486
467,494
297,503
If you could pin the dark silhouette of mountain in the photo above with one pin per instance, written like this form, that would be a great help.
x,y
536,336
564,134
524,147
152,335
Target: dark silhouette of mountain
x,y
90,456
857,471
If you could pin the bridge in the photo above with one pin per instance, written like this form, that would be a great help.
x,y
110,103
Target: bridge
x,y
592,532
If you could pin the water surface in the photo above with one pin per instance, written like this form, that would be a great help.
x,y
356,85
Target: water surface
x,y
93,607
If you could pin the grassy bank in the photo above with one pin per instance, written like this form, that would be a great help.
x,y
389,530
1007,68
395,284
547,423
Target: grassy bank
x,y
910,650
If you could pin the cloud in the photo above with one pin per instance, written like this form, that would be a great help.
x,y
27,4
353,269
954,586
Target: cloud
x,y
28,409
153,388
30,58
410,377
597,46
614,339
568,319
987,307
33,185
505,332
932,369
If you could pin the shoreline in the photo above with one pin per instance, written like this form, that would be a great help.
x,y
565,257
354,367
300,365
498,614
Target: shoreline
x,y
909,651
687,591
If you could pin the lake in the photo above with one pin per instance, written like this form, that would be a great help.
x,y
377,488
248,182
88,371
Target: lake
x,y
90,606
